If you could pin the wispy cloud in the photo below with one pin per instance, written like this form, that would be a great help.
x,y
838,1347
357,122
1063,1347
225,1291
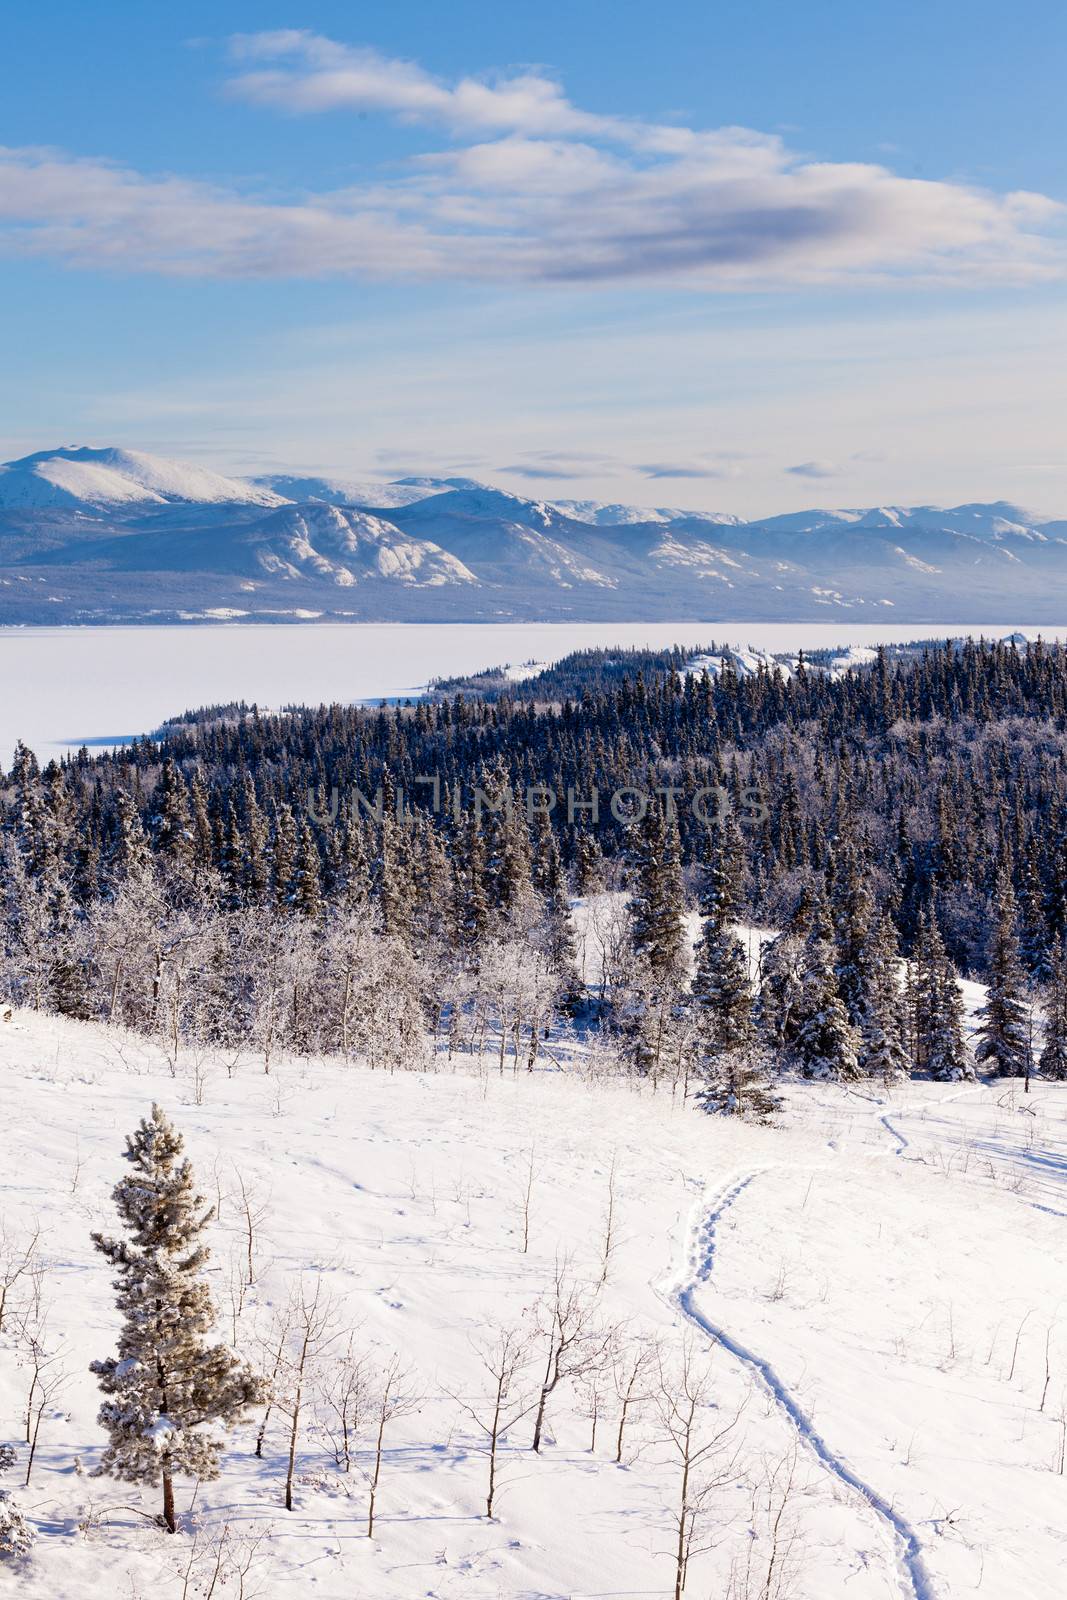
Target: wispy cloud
x,y
529,189
297,71
544,474
814,469
679,469
545,465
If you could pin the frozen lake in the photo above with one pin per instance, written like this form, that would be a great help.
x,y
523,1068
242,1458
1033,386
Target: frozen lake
x,y
61,688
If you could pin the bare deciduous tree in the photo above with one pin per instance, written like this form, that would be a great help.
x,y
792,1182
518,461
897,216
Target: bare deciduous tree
x,y
48,1379
274,1357
768,1567
252,1205
505,1357
310,1328
18,1259
702,1445
345,1394
394,1398
610,1228
222,1561
530,1174
573,1340
634,1366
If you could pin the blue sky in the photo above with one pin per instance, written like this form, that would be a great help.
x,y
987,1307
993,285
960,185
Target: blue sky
x,y
738,256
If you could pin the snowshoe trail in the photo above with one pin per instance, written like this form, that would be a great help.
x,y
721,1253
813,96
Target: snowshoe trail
x,y
700,1261
902,1143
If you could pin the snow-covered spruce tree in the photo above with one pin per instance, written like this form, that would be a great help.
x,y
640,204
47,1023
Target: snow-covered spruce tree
x,y
658,904
588,862
722,869
866,968
779,990
172,820
1053,1062
1004,1036
937,1008
824,1042
883,1049
17,1536
168,1384
729,1064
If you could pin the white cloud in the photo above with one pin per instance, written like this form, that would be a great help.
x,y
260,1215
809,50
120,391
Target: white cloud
x,y
312,74
540,192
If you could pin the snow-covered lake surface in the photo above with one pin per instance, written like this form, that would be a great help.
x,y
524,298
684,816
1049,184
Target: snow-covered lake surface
x,y
64,687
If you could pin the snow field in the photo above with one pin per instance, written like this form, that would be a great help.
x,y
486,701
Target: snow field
x,y
870,1287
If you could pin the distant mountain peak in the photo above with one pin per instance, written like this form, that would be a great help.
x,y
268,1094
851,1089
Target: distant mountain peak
x,y
439,483
83,475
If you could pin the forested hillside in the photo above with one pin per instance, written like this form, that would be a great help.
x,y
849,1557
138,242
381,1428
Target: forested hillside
x,y
380,880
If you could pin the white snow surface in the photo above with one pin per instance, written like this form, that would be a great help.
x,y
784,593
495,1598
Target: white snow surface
x,y
858,1278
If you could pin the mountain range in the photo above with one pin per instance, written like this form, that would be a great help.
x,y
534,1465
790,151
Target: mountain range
x,y
109,535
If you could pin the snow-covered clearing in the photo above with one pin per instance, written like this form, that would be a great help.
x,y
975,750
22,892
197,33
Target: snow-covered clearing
x,y
873,1283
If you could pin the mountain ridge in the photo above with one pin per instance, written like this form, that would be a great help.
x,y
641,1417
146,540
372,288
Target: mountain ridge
x,y
102,534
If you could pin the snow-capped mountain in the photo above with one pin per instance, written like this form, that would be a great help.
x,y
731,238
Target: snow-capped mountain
x,y
1000,519
79,476
97,535
613,515
342,491
360,491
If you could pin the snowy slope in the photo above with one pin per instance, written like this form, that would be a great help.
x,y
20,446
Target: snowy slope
x,y
615,515
343,491
872,1285
347,546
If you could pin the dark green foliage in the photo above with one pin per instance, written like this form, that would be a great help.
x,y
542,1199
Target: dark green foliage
x,y
1004,1042
936,1008
1053,1062
658,903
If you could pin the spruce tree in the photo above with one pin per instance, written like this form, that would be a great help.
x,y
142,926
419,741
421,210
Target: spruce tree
x,y
472,909
852,907
17,1536
722,866
396,890
283,841
1004,1036
883,1050
167,1383
1053,1062
588,863
825,1042
304,892
936,1008
257,846
657,906
733,1079
781,969
131,857
172,819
